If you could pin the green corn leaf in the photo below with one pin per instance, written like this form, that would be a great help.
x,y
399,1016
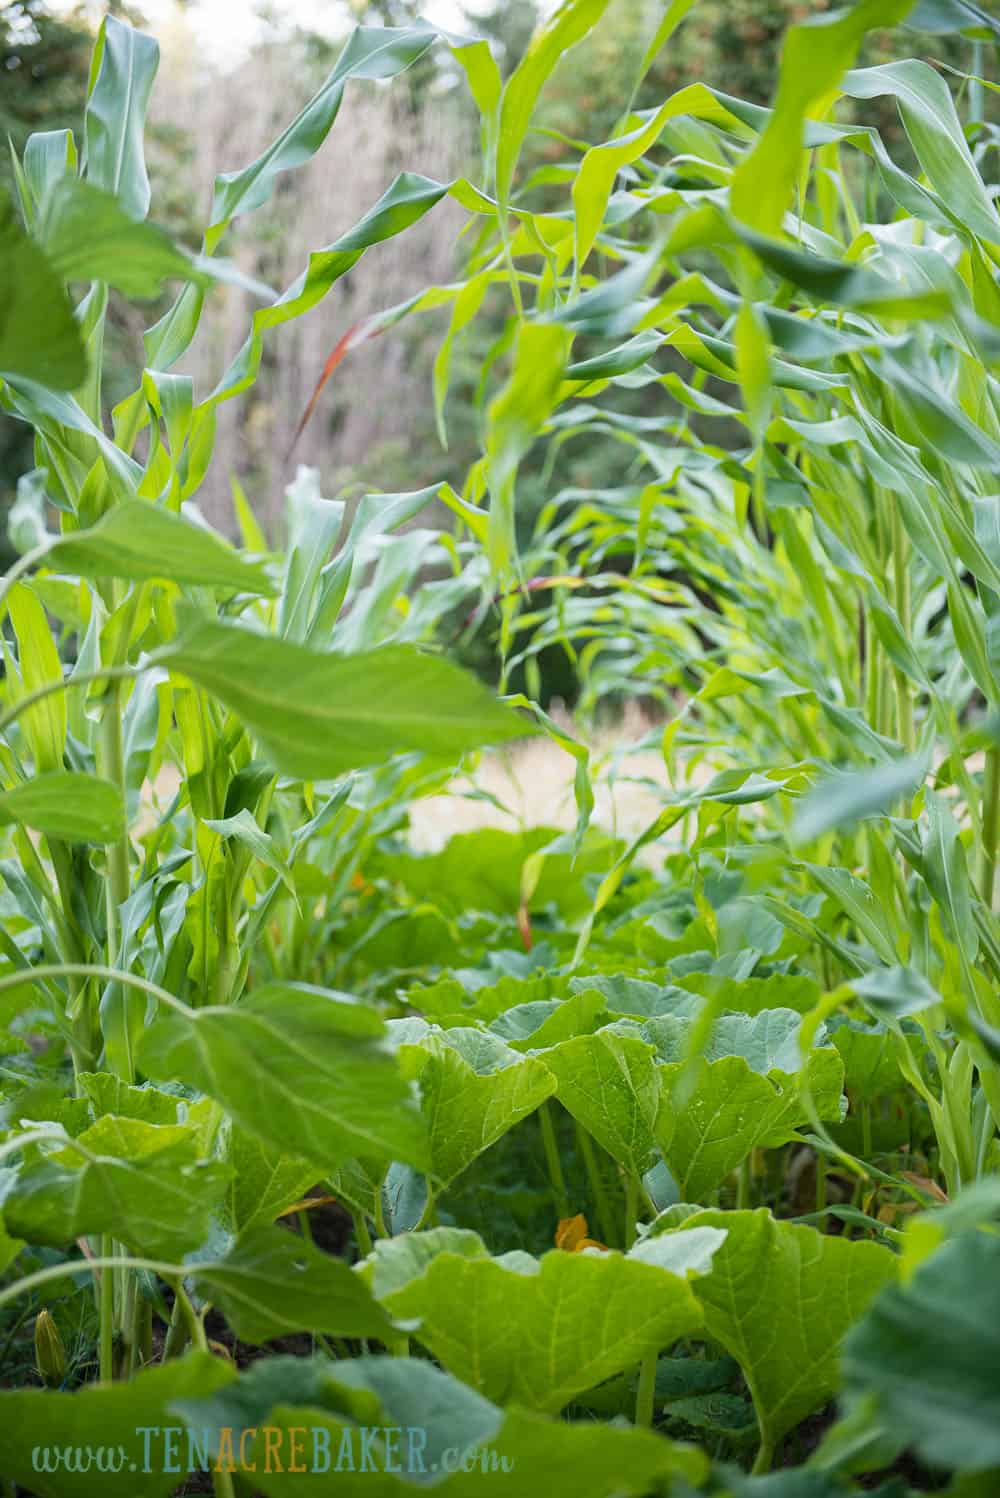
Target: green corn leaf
x,y
370,52
121,77
568,25
44,724
843,799
815,56
49,156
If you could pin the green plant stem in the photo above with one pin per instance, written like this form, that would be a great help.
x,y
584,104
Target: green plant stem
x,y
178,1334
631,1208
222,1482
47,970
743,1177
764,1458
362,1234
112,763
604,1218
647,1389
991,825
820,1181
107,1311
551,1147
901,582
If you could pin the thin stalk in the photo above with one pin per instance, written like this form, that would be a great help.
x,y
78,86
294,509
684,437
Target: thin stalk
x,y
901,580
552,1160
743,1185
222,1480
112,758
991,825
178,1334
647,1390
866,1132
764,1458
631,1208
820,1181
107,1341
362,1234
94,970
604,1217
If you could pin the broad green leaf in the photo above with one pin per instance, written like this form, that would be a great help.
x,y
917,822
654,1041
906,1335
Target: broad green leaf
x,y
523,1453
473,1089
927,1352
265,1180
394,1262
780,1298
319,714
67,805
109,1094
39,336
87,235
272,1282
541,1025
143,1182
871,1058
139,541
44,724
816,54
116,1420
303,1069
716,1113
539,1334
611,1086
568,25
767,1041
121,77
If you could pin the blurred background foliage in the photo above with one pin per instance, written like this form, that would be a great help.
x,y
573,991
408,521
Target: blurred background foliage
x,y
375,426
